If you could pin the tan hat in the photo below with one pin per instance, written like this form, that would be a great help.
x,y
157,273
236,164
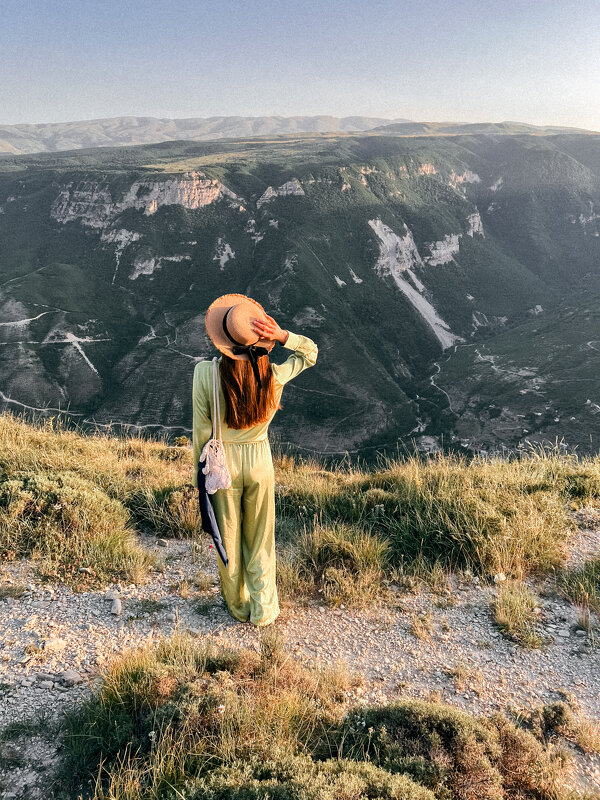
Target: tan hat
x,y
229,324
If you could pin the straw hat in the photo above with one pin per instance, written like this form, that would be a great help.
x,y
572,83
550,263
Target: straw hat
x,y
229,325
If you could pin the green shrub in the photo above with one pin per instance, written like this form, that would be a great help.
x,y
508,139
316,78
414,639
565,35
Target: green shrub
x,y
457,756
301,778
66,522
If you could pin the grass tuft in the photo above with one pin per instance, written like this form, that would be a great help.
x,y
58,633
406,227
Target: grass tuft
x,y
582,585
513,609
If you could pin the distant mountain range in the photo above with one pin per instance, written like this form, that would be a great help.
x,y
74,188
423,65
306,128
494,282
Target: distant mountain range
x,y
452,281
122,131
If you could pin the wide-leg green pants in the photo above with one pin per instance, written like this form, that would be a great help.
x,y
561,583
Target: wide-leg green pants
x,y
246,518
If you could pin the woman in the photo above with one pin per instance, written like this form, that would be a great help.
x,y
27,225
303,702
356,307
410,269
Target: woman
x,y
250,390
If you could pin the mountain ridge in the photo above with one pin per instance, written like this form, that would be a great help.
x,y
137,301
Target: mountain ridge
x,y
29,138
131,130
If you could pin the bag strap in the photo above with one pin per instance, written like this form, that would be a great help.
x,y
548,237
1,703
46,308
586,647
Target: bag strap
x,y
216,410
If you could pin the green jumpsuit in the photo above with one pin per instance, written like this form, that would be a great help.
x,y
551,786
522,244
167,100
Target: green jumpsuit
x,y
245,513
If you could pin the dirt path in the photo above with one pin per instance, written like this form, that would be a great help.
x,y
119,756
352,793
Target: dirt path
x,y
54,644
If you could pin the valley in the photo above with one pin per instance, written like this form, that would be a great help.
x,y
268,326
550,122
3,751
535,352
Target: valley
x,y
452,282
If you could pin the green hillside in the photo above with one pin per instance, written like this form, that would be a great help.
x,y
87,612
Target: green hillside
x,y
390,251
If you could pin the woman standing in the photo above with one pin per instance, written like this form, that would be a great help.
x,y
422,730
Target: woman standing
x,y
249,392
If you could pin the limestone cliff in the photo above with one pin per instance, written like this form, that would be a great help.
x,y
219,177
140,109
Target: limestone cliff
x,y
93,204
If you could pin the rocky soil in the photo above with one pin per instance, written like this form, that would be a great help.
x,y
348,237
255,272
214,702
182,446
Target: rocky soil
x,y
54,644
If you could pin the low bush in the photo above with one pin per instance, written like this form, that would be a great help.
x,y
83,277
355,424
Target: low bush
x,y
188,720
65,522
457,756
301,778
140,474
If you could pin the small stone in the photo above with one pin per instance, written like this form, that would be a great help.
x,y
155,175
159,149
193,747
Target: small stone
x,y
500,577
85,570
112,594
579,632
116,607
171,617
564,633
54,645
71,678
162,542
46,684
44,676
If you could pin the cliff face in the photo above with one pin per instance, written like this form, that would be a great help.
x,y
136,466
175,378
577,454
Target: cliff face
x,y
287,188
93,204
398,255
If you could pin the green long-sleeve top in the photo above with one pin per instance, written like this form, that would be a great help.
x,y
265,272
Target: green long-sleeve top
x,y
304,356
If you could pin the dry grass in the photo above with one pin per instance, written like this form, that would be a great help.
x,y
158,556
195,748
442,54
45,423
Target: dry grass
x,y
464,676
565,719
484,515
582,585
513,609
348,529
165,715
421,625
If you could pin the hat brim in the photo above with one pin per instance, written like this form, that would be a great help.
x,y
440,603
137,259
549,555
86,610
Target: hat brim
x,y
214,324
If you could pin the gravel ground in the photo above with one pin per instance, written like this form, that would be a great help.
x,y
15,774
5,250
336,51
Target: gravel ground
x,y
54,644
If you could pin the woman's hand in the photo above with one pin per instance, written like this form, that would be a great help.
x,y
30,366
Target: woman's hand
x,y
269,329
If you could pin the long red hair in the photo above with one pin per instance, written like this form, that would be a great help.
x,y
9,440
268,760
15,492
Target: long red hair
x,y
245,404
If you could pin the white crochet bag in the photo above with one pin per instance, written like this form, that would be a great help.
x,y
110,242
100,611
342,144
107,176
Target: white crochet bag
x,y
213,453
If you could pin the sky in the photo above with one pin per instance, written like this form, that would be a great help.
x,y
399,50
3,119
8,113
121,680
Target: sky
x,y
535,61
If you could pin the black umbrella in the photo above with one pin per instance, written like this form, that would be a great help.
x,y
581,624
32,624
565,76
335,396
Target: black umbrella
x,y
207,514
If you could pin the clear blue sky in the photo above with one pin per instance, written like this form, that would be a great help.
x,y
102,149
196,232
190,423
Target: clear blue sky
x,y
467,60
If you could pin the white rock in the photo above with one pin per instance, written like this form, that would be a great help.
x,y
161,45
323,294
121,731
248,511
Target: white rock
x,y
500,577
287,188
397,256
116,607
54,645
